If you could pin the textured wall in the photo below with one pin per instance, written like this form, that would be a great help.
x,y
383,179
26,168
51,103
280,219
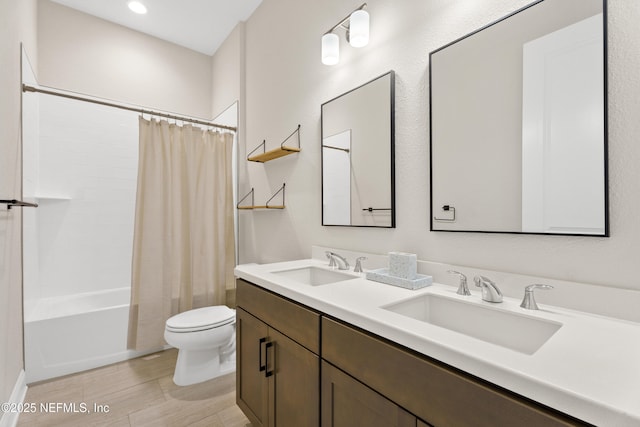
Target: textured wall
x,y
286,84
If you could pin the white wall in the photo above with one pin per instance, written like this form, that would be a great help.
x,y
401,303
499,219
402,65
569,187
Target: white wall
x,y
227,73
286,84
17,24
82,53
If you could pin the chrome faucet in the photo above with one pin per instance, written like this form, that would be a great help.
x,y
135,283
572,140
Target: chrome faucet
x,y
490,291
529,302
463,289
336,260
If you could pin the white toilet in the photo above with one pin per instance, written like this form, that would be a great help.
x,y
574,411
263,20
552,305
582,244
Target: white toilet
x,y
206,343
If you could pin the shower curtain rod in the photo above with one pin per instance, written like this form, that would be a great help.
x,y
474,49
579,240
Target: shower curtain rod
x,y
27,88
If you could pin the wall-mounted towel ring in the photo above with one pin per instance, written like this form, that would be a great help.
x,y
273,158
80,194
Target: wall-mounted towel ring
x,y
447,208
370,209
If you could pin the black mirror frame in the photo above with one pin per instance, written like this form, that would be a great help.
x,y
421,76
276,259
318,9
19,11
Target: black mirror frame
x,y
392,137
605,140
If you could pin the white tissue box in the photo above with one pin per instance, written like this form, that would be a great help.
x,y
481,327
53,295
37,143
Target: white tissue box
x,y
403,265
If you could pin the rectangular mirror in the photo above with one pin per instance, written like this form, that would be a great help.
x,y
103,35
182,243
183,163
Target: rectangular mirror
x,y
358,156
519,124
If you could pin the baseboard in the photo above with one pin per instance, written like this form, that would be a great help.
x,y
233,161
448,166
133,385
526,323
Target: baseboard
x,y
10,418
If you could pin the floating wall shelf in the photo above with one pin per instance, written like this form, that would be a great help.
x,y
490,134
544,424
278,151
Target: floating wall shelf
x,y
51,197
276,153
266,205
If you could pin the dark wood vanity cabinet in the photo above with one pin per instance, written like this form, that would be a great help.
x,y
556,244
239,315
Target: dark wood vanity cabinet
x,y
278,366
357,379
431,390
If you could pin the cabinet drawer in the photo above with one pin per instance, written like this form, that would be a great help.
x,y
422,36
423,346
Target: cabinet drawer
x,y
434,392
295,321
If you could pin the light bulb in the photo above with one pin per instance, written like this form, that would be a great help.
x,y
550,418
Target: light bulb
x,y
330,49
359,28
137,7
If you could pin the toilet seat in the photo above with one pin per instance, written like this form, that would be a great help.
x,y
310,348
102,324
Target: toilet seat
x,y
201,319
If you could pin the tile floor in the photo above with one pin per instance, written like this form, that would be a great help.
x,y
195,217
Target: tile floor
x,y
137,392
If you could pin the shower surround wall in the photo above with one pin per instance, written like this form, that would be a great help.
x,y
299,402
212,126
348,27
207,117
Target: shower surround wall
x,y
81,168
87,166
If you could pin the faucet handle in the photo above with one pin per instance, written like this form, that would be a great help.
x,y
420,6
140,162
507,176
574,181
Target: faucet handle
x,y
529,301
358,267
332,260
463,289
480,281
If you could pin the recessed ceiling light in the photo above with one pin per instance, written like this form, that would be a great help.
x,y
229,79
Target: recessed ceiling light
x,y
137,7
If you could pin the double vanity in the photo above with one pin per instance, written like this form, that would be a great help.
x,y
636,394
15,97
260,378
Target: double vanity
x,y
322,346
518,144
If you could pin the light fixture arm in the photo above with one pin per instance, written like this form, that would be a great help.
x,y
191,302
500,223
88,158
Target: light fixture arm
x,y
343,23
356,25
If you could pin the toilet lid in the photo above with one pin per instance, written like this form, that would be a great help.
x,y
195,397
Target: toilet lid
x,y
201,318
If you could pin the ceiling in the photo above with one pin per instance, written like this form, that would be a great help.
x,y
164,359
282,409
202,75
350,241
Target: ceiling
x,y
200,25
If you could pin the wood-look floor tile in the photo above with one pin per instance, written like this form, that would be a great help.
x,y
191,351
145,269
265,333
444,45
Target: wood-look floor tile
x,y
132,399
118,404
127,374
233,417
212,421
198,392
65,387
138,392
180,413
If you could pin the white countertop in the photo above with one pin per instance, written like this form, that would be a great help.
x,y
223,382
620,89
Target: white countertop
x,y
590,368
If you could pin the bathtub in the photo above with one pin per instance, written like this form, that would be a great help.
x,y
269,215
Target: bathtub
x,y
64,335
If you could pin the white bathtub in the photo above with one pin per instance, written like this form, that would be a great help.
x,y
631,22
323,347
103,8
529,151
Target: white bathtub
x,y
64,335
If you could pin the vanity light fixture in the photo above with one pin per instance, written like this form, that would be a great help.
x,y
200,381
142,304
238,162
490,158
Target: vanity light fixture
x,y
357,34
330,49
137,7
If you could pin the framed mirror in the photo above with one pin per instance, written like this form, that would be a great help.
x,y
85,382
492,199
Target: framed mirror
x,y
358,179
518,124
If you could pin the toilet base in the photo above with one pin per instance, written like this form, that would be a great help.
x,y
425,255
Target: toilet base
x,y
196,366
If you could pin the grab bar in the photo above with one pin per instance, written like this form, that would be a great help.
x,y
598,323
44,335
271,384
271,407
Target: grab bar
x,y
19,203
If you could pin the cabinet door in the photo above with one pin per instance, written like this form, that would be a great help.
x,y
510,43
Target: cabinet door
x,y
294,389
251,382
349,403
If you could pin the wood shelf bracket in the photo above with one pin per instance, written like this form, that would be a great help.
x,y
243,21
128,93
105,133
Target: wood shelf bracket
x,y
252,206
276,153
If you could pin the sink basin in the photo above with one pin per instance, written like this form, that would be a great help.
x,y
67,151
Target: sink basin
x,y
515,331
314,276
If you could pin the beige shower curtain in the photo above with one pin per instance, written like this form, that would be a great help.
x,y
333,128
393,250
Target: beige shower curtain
x,y
184,247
